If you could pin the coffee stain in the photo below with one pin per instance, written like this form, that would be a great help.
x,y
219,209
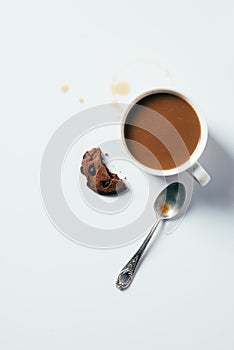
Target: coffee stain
x,y
65,88
122,88
154,64
81,100
166,208
116,104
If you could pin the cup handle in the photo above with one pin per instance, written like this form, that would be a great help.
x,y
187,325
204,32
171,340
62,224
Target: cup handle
x,y
199,174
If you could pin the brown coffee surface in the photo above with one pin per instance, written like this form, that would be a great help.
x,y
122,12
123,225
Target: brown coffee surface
x,y
162,130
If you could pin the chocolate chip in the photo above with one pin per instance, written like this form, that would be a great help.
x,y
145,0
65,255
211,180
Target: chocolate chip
x,y
105,183
92,170
84,156
81,170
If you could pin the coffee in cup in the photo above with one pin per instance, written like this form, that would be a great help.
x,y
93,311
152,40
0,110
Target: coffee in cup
x,y
165,135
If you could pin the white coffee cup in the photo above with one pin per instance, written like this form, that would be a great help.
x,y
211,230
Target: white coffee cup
x,y
191,165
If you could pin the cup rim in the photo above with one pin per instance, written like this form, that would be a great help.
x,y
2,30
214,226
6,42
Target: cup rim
x,y
196,153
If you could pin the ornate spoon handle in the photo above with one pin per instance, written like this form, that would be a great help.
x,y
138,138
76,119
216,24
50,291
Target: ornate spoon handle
x,y
127,273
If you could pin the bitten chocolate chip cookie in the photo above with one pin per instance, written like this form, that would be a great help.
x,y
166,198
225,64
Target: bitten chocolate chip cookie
x,y
99,178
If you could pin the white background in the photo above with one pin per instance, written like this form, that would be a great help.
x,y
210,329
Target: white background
x,y
55,294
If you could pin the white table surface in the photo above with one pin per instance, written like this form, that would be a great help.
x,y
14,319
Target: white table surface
x,y
55,294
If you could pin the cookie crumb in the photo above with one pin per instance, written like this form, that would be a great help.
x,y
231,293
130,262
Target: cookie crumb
x,y
81,100
106,154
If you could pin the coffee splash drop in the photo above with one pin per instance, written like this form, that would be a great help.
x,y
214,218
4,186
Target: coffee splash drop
x,y
65,88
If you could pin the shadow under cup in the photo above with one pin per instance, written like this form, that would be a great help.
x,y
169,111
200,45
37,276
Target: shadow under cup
x,y
164,134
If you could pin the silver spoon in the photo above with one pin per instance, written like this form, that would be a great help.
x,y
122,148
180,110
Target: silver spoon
x,y
167,205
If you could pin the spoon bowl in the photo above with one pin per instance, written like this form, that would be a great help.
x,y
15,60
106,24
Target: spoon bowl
x,y
170,201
